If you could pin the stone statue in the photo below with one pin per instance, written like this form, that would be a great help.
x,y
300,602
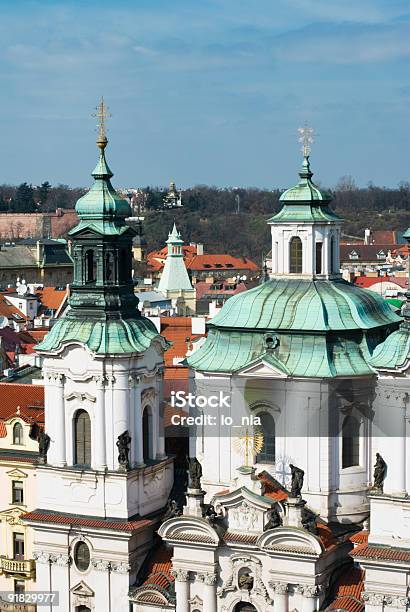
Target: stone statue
x,y
245,581
43,445
211,515
195,473
123,445
274,520
172,510
297,480
309,521
380,468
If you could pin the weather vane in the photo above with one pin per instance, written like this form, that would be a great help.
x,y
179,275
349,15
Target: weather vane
x,y
306,138
249,444
101,114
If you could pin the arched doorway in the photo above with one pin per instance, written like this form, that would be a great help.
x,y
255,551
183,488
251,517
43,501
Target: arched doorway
x,y
244,606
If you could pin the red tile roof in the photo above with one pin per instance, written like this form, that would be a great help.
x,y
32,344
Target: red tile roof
x,y
273,489
365,252
349,591
369,281
361,537
159,568
69,519
28,398
8,310
203,288
51,298
365,551
223,261
178,330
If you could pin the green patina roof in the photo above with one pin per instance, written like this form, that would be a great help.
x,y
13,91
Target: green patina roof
x,y
113,336
305,305
305,202
324,329
394,352
102,202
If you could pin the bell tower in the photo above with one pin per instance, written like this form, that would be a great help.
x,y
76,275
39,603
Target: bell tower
x,y
105,475
305,232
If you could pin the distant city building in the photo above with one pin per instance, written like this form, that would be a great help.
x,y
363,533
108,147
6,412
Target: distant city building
x,y
37,225
173,198
174,282
42,261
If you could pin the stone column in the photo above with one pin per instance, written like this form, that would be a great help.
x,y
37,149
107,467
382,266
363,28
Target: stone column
x,y
161,434
120,407
209,592
310,594
281,596
58,417
139,449
181,589
99,442
133,448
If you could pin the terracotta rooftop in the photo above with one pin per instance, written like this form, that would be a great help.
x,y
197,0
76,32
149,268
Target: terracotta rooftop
x,y
29,399
9,311
158,568
384,553
85,521
361,537
349,591
51,298
178,331
369,281
221,262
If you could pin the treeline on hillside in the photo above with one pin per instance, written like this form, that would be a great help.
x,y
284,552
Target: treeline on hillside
x,y
229,220
26,198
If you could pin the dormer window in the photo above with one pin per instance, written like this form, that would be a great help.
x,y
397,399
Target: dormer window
x,y
353,255
295,255
381,255
18,434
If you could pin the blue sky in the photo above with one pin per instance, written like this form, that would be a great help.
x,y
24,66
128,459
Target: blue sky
x,y
205,91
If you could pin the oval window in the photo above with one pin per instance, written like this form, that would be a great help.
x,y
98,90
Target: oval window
x,y
82,556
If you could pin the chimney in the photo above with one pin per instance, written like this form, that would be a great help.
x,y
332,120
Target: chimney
x,y
367,234
199,249
40,251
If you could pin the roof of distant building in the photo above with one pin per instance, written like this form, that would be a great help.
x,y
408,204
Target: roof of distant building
x,y
368,281
366,252
23,401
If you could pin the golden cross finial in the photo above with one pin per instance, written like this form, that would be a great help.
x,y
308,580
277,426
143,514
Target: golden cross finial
x,y
101,114
250,444
306,138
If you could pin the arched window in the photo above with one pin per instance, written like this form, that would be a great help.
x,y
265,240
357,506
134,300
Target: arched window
x,y
18,433
267,454
109,267
318,254
350,442
146,433
295,255
90,266
332,255
123,270
82,438
244,606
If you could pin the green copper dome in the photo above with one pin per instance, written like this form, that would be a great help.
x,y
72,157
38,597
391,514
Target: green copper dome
x,y
318,329
102,201
305,202
115,336
393,354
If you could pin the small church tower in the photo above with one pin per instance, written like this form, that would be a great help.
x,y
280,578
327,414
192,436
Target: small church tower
x,y
174,282
305,232
104,475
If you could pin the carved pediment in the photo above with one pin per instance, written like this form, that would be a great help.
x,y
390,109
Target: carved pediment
x,y
290,539
264,368
189,529
79,396
17,474
82,589
11,516
245,510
